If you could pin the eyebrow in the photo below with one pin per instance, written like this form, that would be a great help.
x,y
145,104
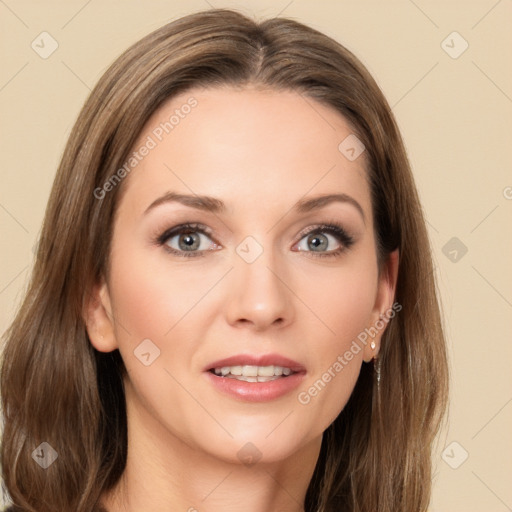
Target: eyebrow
x,y
214,205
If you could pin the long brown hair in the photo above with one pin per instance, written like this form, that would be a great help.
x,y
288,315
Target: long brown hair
x,y
56,388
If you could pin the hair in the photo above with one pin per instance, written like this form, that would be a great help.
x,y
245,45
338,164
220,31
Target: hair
x,y
56,387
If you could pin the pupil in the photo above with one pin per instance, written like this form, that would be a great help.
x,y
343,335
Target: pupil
x,y
189,241
318,241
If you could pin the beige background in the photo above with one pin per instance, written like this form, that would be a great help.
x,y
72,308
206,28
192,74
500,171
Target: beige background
x,y
456,118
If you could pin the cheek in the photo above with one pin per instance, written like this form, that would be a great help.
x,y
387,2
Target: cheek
x,y
151,296
153,309
345,304
344,299
156,314
164,302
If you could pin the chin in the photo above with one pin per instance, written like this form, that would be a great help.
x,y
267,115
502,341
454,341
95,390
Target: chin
x,y
258,444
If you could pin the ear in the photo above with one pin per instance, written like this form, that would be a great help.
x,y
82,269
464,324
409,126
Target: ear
x,y
383,306
99,319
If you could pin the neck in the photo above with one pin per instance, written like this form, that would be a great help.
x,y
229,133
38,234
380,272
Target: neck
x,y
163,473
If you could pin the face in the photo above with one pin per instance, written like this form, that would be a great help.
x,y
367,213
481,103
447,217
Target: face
x,y
243,269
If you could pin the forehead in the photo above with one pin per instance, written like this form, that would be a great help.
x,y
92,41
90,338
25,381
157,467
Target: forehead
x,y
248,147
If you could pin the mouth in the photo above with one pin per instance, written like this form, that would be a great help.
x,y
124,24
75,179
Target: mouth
x,y
255,378
251,373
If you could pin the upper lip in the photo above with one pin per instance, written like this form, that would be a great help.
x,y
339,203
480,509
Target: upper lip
x,y
257,360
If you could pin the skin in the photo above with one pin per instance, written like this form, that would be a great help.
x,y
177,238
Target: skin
x,y
260,152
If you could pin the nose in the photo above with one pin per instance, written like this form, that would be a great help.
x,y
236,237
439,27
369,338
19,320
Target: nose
x,y
259,296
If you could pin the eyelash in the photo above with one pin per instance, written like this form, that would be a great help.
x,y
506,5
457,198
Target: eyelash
x,y
332,228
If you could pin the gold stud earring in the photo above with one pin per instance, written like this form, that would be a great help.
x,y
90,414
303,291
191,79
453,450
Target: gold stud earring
x,y
372,345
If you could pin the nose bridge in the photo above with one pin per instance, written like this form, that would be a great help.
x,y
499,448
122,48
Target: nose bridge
x,y
258,294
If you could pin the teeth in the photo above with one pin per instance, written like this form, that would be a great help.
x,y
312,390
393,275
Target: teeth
x,y
250,373
267,378
235,370
266,371
253,379
246,379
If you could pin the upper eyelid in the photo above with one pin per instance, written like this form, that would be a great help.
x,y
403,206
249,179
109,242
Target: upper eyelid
x,y
192,226
208,231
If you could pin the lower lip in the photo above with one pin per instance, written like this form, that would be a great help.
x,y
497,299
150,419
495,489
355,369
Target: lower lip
x,y
256,391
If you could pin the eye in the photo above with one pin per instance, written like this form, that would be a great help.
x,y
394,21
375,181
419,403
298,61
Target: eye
x,y
191,240
326,240
187,240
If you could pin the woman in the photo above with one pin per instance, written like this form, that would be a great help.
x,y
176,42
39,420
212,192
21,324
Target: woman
x,y
233,302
